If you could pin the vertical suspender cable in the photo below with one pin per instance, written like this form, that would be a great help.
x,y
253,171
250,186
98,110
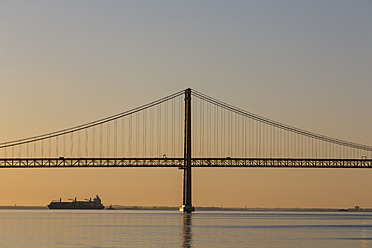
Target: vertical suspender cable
x,y
130,136
78,146
144,127
93,142
151,131
166,133
57,145
115,138
72,145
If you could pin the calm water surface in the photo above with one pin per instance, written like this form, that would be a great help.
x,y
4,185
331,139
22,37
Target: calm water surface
x,y
128,228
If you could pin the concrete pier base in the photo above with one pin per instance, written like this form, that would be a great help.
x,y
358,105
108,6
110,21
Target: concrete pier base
x,y
187,209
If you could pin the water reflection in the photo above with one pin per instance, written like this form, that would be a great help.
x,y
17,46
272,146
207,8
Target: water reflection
x,y
186,232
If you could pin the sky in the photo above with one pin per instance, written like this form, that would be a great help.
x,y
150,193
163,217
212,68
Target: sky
x,y
303,63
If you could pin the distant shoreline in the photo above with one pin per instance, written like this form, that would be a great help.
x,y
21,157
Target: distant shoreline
x,y
119,207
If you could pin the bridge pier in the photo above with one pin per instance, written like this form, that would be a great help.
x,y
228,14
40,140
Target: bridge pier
x,y
187,203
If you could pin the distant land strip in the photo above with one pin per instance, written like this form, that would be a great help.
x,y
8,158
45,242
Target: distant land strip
x,y
212,208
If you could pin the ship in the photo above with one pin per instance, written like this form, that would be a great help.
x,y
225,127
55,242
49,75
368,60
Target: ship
x,y
75,204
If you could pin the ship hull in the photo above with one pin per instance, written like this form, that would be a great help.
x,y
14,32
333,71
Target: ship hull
x,y
73,206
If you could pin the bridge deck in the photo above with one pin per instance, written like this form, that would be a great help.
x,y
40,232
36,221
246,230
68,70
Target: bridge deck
x,y
179,162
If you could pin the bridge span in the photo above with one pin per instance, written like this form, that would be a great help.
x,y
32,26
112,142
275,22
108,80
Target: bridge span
x,y
180,162
171,132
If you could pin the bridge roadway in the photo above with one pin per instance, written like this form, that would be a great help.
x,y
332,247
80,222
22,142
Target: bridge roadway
x,y
179,162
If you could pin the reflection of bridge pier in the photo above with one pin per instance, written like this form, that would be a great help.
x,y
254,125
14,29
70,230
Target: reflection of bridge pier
x,y
186,232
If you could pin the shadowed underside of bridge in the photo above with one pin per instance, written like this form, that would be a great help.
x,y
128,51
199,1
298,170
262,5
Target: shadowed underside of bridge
x,y
158,134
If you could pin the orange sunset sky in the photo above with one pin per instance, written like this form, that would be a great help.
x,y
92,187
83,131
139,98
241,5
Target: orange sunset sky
x,y
303,63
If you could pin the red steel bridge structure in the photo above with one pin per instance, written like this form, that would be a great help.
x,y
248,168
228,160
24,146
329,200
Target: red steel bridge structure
x,y
172,132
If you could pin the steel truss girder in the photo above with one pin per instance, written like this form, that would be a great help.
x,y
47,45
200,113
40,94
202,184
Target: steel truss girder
x,y
282,162
89,162
179,162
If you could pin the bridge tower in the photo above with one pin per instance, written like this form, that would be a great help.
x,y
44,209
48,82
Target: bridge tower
x,y
187,205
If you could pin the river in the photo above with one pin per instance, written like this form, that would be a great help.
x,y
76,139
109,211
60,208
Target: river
x,y
142,228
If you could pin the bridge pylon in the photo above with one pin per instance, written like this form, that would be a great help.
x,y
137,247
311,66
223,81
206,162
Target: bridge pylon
x,y
187,203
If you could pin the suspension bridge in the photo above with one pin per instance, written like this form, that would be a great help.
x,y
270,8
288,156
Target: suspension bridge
x,y
172,132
